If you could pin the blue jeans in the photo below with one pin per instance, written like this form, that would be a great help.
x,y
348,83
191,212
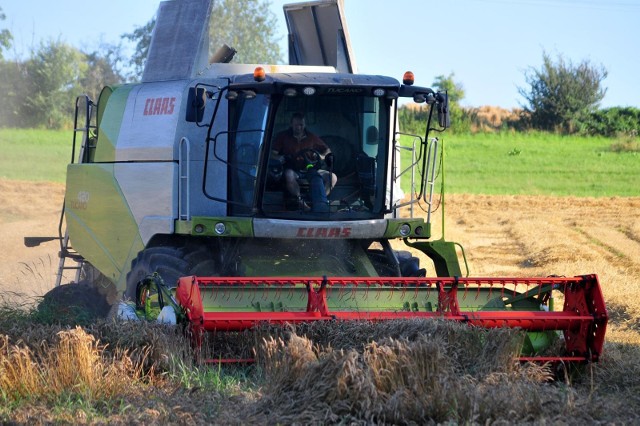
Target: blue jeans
x,y
319,202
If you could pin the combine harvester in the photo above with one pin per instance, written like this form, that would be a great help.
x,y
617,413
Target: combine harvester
x,y
178,199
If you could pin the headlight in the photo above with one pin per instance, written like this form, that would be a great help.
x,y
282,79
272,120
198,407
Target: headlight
x,y
220,228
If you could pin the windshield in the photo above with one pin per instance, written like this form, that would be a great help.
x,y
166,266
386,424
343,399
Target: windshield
x,y
325,156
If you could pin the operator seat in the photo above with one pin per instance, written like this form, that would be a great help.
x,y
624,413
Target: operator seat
x,y
343,155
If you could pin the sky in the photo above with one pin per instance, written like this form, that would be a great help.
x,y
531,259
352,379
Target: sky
x,y
488,45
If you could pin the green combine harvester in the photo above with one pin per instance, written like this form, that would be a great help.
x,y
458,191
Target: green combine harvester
x,y
180,193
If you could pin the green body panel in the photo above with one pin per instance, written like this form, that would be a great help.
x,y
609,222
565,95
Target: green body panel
x,y
234,226
184,227
444,256
537,341
351,298
103,100
243,227
99,220
110,116
419,228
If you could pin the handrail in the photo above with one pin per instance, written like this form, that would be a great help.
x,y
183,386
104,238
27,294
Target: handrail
x,y
429,175
83,157
83,153
413,177
184,191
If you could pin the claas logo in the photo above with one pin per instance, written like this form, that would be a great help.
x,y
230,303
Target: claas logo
x,y
337,232
159,106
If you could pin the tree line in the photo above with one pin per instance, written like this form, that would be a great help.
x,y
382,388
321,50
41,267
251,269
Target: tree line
x,y
40,91
560,97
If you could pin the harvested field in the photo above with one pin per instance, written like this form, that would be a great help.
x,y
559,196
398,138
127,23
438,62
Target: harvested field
x,y
422,379
29,209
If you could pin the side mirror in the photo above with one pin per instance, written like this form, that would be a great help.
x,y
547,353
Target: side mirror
x,y
444,118
195,104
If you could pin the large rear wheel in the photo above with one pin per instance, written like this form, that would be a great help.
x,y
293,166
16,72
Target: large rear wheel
x,y
167,261
407,264
171,262
79,303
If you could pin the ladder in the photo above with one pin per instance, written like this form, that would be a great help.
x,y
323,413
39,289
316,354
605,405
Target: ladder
x,y
84,155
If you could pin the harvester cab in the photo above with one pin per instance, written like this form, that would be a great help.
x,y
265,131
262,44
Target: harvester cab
x,y
187,193
350,117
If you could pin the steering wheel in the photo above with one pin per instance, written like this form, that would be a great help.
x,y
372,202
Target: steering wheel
x,y
307,159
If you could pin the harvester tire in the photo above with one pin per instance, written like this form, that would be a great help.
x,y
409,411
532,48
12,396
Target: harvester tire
x,y
166,261
81,303
91,276
201,262
73,304
408,264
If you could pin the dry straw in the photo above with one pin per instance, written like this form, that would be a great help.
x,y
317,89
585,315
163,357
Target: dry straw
x,y
73,365
426,371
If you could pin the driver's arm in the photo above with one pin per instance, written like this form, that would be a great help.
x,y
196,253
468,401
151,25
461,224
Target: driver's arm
x,y
277,150
325,154
322,148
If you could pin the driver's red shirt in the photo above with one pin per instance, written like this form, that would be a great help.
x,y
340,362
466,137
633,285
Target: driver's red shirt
x,y
287,144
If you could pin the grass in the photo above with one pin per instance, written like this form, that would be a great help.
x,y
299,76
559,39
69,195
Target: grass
x,y
208,378
35,155
488,163
537,164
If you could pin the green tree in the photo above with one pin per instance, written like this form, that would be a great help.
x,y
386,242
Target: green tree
x,y
40,91
13,91
455,90
5,36
11,83
141,36
460,119
103,69
561,94
249,27
412,118
246,25
54,73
